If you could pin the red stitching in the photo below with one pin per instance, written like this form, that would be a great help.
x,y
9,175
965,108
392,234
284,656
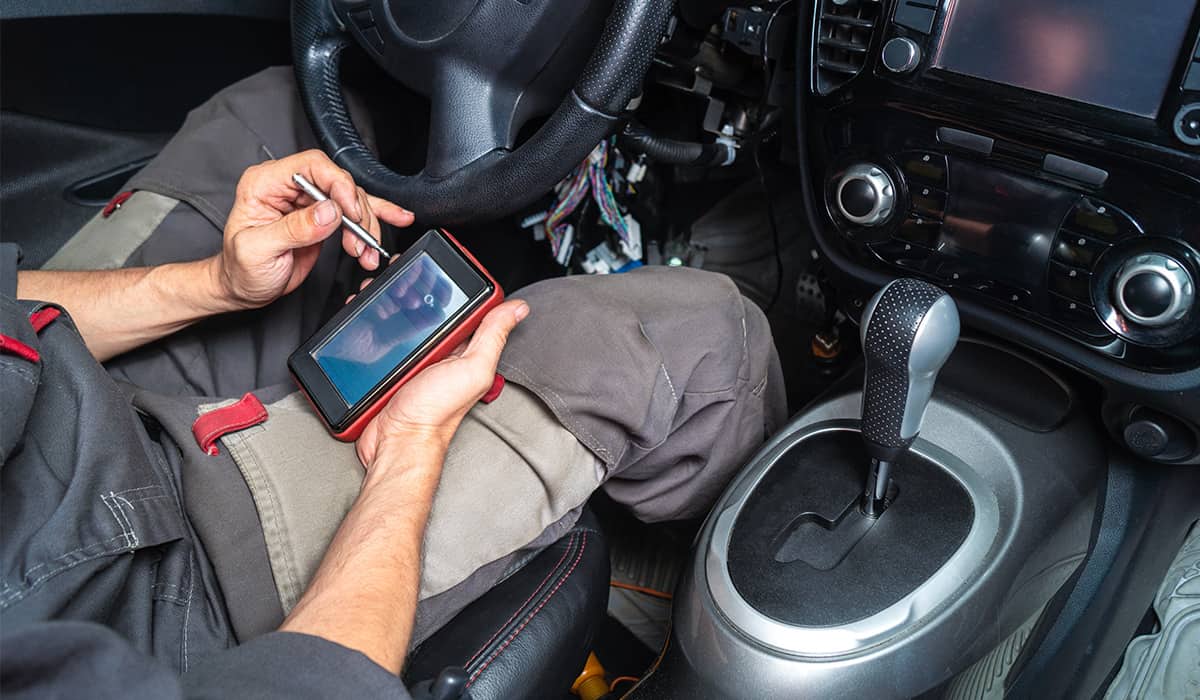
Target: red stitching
x,y
566,551
42,318
533,614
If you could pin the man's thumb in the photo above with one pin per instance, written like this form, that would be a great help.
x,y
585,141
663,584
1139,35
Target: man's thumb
x,y
492,334
306,226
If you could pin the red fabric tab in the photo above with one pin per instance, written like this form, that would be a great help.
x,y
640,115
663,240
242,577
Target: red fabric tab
x,y
43,317
494,392
116,203
12,346
209,427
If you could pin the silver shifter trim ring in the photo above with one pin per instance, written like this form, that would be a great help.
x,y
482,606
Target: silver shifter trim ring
x,y
960,570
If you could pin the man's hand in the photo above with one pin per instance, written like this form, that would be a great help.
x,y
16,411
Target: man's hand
x,y
272,241
379,542
428,409
274,233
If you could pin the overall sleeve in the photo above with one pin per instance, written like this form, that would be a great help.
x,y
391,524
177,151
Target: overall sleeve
x,y
77,659
10,255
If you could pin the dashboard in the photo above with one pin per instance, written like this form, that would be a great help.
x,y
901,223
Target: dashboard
x,y
1038,158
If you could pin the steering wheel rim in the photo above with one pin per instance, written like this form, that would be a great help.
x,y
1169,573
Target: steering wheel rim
x,y
500,181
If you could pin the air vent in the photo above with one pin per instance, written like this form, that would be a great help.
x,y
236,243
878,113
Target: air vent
x,y
844,30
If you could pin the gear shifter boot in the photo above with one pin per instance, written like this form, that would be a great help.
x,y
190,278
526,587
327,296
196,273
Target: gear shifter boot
x,y
801,551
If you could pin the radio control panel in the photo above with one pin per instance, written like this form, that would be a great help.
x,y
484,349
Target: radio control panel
x,y
1050,239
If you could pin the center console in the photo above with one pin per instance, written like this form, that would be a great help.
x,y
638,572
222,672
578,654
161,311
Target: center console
x,y
1041,160
893,535
1035,166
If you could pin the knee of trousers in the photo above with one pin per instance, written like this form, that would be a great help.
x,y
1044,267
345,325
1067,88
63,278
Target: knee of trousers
x,y
657,371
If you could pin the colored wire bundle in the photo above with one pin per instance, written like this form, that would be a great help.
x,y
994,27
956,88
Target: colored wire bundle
x,y
590,175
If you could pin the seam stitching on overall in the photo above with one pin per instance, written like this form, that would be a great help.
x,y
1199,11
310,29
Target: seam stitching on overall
x,y
288,588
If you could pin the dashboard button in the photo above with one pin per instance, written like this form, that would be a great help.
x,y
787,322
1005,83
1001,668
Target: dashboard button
x,y
901,253
957,274
1100,219
1078,316
1006,294
1074,170
1071,282
965,139
1078,251
1192,81
926,167
915,17
919,231
927,201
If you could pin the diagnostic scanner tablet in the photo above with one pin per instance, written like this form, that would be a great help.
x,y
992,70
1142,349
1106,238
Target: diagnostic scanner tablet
x,y
415,313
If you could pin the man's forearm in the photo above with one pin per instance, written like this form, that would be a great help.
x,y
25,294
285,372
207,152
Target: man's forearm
x,y
364,595
118,310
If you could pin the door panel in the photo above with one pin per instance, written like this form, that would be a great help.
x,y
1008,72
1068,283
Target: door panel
x,y
86,100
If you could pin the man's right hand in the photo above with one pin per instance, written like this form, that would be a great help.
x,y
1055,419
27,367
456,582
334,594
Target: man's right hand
x,y
427,410
380,539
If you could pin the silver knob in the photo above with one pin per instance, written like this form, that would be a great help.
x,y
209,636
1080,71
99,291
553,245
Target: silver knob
x,y
901,54
1154,290
866,195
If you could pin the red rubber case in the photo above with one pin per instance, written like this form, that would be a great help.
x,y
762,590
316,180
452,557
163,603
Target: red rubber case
x,y
437,353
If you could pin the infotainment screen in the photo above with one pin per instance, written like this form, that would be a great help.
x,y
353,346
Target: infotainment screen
x,y
1117,54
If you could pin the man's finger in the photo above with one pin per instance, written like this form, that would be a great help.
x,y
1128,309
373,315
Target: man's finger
x,y
391,213
271,181
489,339
352,244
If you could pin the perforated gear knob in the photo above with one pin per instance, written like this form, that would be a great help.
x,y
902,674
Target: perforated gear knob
x,y
909,329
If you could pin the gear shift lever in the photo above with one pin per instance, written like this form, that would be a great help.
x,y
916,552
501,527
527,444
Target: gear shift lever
x,y
909,329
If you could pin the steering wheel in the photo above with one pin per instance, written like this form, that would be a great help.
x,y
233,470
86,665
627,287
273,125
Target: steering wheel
x,y
488,68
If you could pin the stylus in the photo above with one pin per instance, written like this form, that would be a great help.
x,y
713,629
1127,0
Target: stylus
x,y
312,191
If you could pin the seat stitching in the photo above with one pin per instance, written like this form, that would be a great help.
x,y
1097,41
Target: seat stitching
x,y
517,611
513,636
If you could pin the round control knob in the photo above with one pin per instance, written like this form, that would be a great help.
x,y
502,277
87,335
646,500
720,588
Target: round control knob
x,y
1187,124
1158,436
1153,290
901,54
866,195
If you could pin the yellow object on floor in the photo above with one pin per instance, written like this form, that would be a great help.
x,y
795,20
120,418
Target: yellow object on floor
x,y
590,684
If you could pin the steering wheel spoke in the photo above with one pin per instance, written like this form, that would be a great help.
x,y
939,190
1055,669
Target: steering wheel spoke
x,y
487,67
471,116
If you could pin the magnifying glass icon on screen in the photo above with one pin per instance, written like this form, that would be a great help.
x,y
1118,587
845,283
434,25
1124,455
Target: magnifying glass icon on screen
x,y
428,300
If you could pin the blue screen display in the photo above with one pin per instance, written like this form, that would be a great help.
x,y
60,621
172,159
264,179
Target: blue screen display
x,y
389,327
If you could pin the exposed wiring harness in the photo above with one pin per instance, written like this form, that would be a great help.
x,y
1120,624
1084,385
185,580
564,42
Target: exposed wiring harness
x,y
590,176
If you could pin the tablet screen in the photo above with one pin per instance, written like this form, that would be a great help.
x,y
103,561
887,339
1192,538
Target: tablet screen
x,y
396,321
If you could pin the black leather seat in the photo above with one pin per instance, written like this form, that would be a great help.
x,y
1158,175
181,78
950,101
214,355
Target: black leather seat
x,y
529,636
